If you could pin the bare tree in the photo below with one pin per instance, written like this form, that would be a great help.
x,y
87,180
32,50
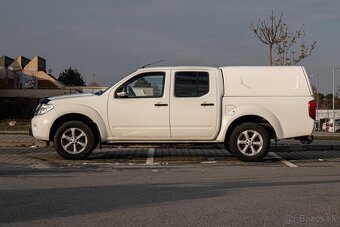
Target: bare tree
x,y
282,40
268,33
285,52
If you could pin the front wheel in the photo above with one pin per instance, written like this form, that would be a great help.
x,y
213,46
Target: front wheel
x,y
249,142
74,140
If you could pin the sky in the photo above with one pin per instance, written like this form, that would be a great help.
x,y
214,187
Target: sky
x,y
112,38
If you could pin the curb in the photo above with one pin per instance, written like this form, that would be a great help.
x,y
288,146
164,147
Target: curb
x,y
287,148
279,148
14,132
37,143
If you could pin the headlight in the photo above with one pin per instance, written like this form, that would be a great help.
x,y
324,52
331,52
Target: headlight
x,y
44,108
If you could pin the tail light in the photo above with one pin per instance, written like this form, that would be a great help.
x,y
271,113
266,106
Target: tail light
x,y
312,109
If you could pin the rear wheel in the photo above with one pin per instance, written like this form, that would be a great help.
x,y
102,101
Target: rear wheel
x,y
74,140
249,142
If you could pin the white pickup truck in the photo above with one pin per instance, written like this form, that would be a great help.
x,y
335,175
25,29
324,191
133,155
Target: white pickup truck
x,y
242,107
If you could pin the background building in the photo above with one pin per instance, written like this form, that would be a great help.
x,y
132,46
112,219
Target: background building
x,y
24,73
23,82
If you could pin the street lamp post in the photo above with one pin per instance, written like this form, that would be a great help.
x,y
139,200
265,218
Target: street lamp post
x,y
317,98
334,68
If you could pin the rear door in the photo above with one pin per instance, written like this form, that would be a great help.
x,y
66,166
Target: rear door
x,y
193,104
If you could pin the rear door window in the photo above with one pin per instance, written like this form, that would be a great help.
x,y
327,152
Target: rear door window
x,y
191,84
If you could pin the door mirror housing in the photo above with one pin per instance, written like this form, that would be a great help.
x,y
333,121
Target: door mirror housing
x,y
122,93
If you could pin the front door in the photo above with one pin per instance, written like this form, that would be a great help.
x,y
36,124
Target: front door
x,y
139,108
193,105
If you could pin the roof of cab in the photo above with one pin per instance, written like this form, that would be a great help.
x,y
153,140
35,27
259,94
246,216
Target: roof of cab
x,y
178,68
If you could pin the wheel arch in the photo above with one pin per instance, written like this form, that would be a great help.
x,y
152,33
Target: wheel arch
x,y
254,114
251,119
74,117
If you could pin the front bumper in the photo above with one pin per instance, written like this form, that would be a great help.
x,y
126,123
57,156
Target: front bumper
x,y
41,125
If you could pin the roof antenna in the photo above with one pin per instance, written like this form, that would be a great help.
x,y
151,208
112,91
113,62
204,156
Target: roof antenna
x,y
152,63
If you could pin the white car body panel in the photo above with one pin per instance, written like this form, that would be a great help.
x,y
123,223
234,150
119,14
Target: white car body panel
x,y
92,106
280,95
189,119
41,125
274,81
139,118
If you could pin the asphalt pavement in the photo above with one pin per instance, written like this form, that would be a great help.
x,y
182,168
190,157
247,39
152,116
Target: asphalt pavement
x,y
191,185
181,196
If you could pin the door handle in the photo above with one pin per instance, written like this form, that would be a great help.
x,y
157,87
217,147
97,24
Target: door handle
x,y
207,104
161,104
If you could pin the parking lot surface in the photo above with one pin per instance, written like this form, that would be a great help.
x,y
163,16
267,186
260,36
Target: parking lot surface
x,y
168,186
145,156
228,194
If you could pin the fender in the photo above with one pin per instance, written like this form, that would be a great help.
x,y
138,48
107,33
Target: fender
x,y
86,111
245,110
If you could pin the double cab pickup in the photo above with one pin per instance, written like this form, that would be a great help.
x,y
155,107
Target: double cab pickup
x,y
243,107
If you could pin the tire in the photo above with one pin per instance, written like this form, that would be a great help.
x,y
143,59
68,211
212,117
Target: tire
x,y
74,140
249,142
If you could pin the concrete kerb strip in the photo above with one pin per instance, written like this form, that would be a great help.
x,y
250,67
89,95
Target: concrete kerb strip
x,y
279,148
295,148
15,132
36,143
27,141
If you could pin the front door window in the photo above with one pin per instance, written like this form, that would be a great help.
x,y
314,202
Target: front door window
x,y
145,85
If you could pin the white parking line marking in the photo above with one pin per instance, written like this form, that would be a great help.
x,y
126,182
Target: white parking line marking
x,y
151,154
284,161
208,162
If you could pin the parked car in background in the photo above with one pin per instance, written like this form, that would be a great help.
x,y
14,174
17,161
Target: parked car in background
x,y
324,127
323,122
329,125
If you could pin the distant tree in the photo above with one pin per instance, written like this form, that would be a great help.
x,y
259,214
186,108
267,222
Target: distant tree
x,y
285,45
71,77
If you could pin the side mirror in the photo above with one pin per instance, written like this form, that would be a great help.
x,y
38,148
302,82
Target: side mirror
x,y
122,94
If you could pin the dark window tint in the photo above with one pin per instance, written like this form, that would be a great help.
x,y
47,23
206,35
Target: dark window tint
x,y
191,84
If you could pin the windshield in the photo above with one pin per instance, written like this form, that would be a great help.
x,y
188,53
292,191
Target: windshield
x,y
102,91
